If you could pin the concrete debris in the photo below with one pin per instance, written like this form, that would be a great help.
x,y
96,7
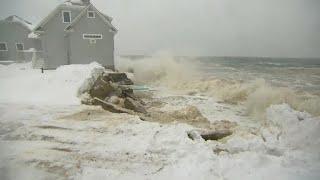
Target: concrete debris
x,y
111,90
136,106
119,78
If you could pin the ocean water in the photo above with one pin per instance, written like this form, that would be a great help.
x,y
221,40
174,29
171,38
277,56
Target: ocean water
x,y
256,83
299,74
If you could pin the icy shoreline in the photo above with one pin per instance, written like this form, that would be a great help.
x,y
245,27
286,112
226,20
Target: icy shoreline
x,y
57,138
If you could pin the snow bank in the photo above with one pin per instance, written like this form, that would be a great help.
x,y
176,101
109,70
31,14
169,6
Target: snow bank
x,y
246,155
295,130
22,84
287,147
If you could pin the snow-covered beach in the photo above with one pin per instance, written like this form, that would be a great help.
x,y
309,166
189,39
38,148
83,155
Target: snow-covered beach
x,y
47,134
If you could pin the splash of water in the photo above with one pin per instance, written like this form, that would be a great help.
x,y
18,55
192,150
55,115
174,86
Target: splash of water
x,y
257,95
158,70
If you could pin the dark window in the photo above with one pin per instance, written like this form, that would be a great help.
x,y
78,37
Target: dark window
x,y
3,47
19,47
66,16
91,14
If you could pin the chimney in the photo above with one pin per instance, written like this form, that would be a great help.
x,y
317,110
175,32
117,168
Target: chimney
x,y
86,2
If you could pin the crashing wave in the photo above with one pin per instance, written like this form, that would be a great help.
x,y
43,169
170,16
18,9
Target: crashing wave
x,y
257,95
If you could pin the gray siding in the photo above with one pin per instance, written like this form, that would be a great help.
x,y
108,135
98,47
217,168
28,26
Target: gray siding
x,y
61,47
13,33
53,39
82,52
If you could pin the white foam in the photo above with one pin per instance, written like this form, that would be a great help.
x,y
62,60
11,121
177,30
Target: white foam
x,y
257,95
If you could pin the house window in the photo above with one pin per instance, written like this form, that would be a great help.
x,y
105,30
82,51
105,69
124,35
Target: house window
x,y
92,36
19,46
66,16
91,14
3,46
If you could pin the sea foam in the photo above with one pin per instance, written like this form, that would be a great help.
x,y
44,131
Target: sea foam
x,y
256,95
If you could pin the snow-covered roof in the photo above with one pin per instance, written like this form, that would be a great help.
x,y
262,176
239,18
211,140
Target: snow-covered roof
x,y
77,2
33,35
17,19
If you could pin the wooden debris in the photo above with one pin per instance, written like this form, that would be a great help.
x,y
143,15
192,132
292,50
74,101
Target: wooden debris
x,y
130,103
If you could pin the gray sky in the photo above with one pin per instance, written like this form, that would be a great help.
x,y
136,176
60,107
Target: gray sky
x,y
281,28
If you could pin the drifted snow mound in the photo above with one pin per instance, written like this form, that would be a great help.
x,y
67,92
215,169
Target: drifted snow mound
x,y
286,148
19,83
287,133
294,129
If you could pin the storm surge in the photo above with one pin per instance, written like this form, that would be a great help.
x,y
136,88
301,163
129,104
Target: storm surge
x,y
256,94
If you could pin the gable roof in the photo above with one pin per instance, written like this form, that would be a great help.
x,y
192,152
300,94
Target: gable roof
x,y
82,6
104,17
67,4
19,20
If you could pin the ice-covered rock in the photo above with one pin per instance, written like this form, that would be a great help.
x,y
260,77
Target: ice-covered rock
x,y
114,100
119,78
109,90
130,103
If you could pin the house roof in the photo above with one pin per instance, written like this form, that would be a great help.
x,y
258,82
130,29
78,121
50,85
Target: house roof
x,y
77,4
62,6
19,20
104,17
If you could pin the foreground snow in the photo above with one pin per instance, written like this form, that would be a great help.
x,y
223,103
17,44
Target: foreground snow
x,y
82,142
57,138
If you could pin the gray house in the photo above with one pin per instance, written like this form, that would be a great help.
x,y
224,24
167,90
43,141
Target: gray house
x,y
14,42
76,33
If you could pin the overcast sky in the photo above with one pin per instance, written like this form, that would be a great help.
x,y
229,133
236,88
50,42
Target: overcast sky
x,y
281,28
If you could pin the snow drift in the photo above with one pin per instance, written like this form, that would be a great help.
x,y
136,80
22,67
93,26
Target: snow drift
x,y
22,84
